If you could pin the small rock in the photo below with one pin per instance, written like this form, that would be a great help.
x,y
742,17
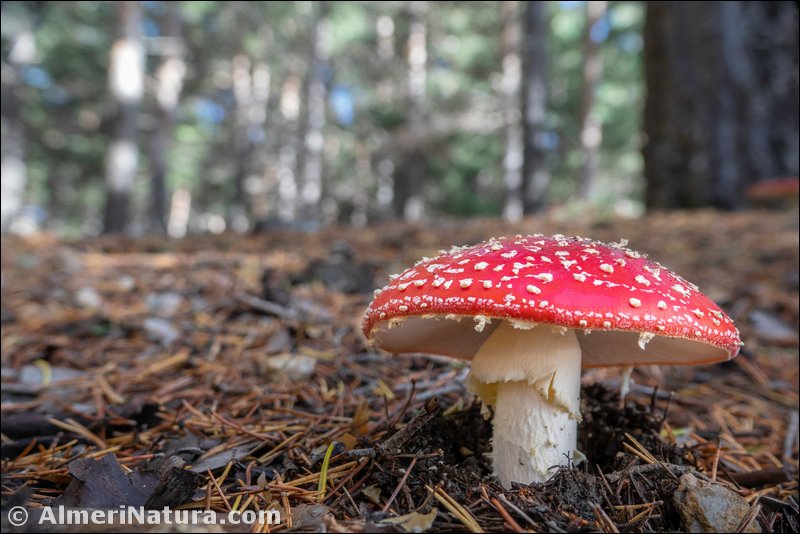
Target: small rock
x,y
87,297
126,283
160,330
70,261
164,304
280,341
297,367
709,507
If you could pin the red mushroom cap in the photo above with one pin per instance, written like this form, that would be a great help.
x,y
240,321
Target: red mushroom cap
x,y
632,310
773,189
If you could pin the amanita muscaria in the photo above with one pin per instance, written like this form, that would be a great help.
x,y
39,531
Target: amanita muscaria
x,y
529,312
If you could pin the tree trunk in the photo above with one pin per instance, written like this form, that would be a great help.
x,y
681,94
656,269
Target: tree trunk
x,y
534,106
126,83
385,169
251,84
409,178
13,166
239,210
310,166
169,81
287,157
722,108
513,207
591,73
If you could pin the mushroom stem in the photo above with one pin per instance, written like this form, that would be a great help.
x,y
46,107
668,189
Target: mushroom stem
x,y
532,378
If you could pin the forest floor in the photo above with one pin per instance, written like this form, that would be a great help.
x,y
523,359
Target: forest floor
x,y
228,373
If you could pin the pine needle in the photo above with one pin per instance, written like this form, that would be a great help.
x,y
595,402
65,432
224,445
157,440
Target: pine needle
x,y
639,450
323,474
461,513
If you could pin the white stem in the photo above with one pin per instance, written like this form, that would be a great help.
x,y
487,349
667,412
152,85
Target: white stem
x,y
532,377
530,436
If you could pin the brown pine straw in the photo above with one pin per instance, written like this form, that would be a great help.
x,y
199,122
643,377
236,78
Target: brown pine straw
x,y
212,390
460,513
506,517
605,523
400,485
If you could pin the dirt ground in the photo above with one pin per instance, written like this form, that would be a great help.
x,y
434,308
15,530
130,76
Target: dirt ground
x,y
228,373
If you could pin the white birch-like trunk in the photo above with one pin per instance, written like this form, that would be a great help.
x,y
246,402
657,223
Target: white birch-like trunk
x,y
13,166
311,160
126,84
169,82
513,208
409,194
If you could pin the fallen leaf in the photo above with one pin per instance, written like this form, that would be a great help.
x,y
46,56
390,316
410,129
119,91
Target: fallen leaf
x,y
373,493
103,484
413,522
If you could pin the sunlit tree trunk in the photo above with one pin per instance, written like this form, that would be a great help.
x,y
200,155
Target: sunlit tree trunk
x,y
14,169
169,81
591,130
310,161
534,105
512,74
386,89
409,179
179,212
722,108
251,80
287,193
126,84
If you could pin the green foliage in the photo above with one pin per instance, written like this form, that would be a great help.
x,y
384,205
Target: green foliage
x,y
465,172
68,117
618,100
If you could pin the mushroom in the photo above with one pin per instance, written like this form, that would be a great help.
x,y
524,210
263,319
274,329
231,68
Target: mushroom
x,y
774,192
529,311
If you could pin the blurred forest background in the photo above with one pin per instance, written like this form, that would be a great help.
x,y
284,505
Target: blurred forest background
x,y
193,117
